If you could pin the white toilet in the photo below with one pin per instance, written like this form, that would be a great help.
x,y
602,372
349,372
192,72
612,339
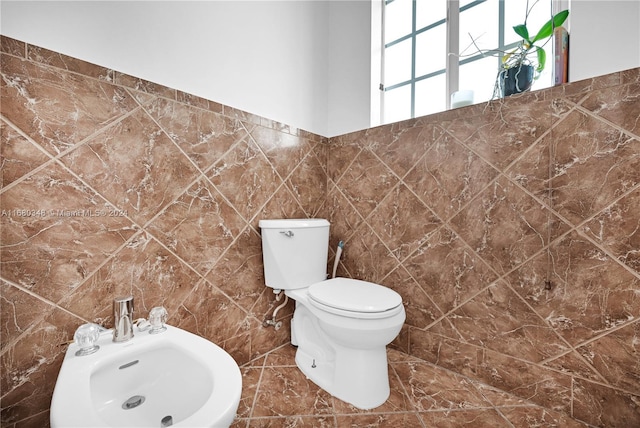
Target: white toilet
x,y
341,326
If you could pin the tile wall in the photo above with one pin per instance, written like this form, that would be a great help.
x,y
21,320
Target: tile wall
x,y
114,186
511,229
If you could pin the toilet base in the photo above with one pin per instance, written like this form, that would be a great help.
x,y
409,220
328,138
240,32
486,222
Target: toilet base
x,y
358,376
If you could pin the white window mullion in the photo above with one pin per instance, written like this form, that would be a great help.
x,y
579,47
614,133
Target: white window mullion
x,y
453,47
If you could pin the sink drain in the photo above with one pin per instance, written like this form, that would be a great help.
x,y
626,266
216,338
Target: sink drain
x,y
133,402
167,421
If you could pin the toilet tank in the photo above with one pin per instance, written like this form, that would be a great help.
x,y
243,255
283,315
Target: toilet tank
x,y
294,252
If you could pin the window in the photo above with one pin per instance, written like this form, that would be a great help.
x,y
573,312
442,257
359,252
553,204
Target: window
x,y
419,75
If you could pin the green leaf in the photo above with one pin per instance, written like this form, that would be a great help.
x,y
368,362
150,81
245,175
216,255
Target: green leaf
x,y
548,27
521,30
542,58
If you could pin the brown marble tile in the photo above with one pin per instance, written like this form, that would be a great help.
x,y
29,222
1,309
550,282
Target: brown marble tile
x,y
448,176
39,420
246,178
203,135
529,416
432,389
601,406
544,387
590,292
262,339
254,340
320,150
505,226
18,156
575,364
283,356
399,356
498,319
143,269
344,150
55,108
406,420
18,312
464,418
447,270
31,366
135,166
67,63
631,75
615,356
397,224
582,87
401,144
444,327
13,46
284,151
617,104
293,421
236,113
199,226
534,170
366,257
144,85
617,228
344,218
200,102
420,309
308,183
209,313
250,383
593,164
499,398
285,391
445,352
282,204
501,135
366,182
56,232
239,274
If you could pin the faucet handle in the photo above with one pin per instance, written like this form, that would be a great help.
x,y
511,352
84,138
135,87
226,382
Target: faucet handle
x,y
157,318
86,337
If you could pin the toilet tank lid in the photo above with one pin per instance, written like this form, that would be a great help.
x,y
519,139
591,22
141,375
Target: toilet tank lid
x,y
293,223
354,295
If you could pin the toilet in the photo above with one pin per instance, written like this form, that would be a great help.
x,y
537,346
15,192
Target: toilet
x,y
341,326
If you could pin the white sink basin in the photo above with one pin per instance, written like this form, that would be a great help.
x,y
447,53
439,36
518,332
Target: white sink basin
x,y
173,378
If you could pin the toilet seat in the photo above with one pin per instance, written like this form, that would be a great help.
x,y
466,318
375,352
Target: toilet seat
x,y
354,298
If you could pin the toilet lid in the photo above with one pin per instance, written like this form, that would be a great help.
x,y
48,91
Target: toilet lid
x,y
354,295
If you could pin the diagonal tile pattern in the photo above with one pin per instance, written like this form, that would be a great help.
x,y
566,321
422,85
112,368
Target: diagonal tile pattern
x,y
115,186
524,260
276,394
510,229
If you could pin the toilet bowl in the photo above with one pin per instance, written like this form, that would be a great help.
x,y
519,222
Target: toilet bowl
x,y
341,326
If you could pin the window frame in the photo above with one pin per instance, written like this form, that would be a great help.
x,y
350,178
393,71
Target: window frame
x,y
453,61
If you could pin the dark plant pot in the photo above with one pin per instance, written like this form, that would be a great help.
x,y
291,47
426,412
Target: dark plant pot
x,y
516,80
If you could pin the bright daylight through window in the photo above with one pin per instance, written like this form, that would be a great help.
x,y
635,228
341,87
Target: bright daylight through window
x,y
416,80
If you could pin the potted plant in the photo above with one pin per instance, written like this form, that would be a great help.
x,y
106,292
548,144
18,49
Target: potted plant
x,y
523,64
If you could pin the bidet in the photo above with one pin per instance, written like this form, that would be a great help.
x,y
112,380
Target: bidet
x,y
174,379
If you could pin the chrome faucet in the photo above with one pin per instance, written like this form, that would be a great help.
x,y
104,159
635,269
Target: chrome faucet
x,y
123,319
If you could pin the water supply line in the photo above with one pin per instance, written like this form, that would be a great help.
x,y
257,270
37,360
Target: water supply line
x,y
272,321
337,260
